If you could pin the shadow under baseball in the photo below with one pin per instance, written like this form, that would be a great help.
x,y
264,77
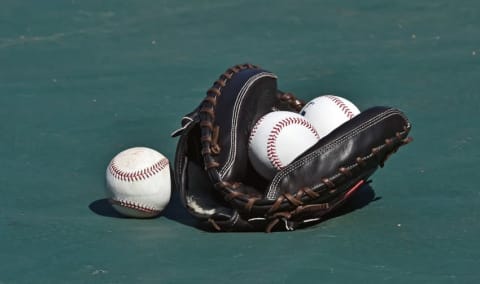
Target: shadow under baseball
x,y
103,208
174,211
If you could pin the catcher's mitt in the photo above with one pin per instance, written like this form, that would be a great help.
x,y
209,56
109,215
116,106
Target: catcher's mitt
x,y
218,185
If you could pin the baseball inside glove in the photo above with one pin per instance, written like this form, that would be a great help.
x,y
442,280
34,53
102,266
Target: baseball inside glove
x,y
218,184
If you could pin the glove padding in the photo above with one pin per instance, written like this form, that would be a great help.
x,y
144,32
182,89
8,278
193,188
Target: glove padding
x,y
218,184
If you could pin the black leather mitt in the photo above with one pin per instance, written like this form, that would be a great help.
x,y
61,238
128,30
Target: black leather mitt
x,y
218,184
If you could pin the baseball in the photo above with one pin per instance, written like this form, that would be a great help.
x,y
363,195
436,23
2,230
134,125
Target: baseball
x,y
328,112
138,182
277,139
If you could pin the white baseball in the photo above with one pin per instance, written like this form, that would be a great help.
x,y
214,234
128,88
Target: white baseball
x,y
277,139
138,182
328,112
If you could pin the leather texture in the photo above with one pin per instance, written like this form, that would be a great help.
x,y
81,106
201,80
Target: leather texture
x,y
216,180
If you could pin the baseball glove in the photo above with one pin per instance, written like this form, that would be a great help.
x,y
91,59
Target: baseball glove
x,y
218,184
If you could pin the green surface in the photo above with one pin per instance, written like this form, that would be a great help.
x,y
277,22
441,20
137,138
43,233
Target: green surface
x,y
82,80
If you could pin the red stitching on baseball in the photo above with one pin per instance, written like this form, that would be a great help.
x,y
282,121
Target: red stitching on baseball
x,y
134,206
272,138
139,174
254,130
346,110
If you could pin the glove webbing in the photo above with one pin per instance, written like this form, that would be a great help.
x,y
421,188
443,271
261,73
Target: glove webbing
x,y
325,207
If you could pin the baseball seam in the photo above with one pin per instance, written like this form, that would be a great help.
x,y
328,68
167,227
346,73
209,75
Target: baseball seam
x,y
255,129
273,136
343,107
135,206
138,175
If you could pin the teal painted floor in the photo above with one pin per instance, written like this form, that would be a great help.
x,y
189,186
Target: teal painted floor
x,y
82,80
